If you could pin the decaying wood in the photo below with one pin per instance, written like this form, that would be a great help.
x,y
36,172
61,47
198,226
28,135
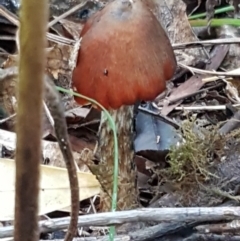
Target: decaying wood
x,y
32,60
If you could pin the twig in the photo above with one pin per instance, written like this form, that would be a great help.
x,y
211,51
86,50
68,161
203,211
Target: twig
x,y
7,118
199,44
57,113
59,39
207,72
212,237
7,38
69,12
9,16
105,238
144,214
48,114
198,108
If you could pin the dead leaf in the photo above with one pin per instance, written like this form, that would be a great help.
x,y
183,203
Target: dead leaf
x,y
54,188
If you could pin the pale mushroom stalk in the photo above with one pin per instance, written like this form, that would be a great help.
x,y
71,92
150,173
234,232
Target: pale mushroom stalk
x,y
127,190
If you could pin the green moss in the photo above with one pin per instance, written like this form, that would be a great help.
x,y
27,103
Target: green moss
x,y
190,161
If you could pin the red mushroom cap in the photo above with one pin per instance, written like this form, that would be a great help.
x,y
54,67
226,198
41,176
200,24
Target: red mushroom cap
x,y
125,56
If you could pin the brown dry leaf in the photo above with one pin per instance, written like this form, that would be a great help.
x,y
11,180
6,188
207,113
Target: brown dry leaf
x,y
172,15
74,29
233,87
58,56
8,88
54,188
194,83
58,60
78,112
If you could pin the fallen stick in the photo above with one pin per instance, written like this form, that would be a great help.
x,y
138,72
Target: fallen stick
x,y
143,215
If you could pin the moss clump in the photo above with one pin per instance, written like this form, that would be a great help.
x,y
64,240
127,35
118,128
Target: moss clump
x,y
191,160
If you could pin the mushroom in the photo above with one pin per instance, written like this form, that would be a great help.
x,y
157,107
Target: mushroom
x,y
125,57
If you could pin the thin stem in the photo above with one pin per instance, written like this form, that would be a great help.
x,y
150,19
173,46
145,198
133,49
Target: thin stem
x,y
215,22
115,170
217,11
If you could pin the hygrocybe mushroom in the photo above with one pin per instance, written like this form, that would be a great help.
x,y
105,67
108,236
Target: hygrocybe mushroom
x,y
125,57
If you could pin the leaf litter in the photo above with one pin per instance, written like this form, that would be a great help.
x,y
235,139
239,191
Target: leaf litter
x,y
195,161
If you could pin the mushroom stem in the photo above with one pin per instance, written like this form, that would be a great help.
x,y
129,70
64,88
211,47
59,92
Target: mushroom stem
x,y
127,190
